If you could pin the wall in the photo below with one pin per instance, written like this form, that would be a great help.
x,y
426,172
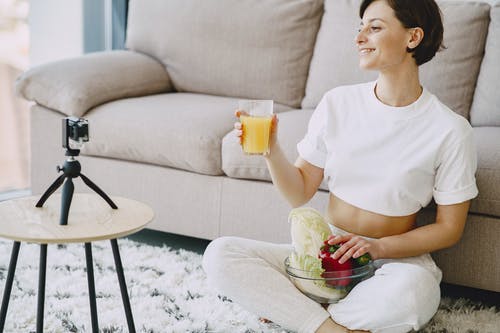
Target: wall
x,y
56,30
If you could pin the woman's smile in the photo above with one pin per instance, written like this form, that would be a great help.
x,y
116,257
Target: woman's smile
x,y
364,51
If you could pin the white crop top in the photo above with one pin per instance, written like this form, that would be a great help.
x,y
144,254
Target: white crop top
x,y
391,160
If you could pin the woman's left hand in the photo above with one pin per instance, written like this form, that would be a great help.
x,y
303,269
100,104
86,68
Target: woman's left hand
x,y
355,246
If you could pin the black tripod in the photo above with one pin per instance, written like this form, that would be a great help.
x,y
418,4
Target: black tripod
x,y
71,169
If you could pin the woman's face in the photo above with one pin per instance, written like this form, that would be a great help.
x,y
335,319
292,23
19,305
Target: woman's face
x,y
382,39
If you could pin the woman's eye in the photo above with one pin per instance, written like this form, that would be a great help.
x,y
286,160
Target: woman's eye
x,y
370,28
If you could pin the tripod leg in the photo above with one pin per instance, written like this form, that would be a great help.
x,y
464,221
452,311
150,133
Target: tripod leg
x,y
52,188
123,285
66,197
98,190
91,283
41,288
8,284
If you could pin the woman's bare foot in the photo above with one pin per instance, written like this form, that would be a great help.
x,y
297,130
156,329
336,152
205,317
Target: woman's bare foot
x,y
329,326
264,320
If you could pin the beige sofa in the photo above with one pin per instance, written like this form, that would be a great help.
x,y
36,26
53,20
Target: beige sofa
x,y
161,112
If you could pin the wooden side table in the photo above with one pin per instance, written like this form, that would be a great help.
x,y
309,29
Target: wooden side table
x,y
90,219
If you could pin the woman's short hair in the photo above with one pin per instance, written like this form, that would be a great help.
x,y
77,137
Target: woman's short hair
x,y
417,13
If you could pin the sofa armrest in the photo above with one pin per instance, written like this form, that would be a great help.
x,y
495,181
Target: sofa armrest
x,y
73,86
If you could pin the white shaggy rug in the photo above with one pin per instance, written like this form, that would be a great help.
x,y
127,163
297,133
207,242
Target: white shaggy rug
x,y
168,293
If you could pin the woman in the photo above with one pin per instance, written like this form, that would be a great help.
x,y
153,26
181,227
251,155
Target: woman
x,y
386,148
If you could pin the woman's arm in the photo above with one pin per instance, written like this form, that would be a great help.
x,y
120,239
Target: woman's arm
x,y
297,182
445,232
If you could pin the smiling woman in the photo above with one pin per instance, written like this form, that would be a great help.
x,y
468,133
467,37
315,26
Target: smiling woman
x,y
386,148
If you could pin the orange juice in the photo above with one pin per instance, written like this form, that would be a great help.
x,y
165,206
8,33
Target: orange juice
x,y
256,131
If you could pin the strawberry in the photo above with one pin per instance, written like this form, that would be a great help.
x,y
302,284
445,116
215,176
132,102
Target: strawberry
x,y
332,265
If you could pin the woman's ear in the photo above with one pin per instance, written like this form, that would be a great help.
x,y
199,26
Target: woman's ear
x,y
416,36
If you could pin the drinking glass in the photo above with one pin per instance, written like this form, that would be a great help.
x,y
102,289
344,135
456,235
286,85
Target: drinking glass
x,y
256,125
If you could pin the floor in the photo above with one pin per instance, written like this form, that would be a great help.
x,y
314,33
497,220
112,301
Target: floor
x,y
157,238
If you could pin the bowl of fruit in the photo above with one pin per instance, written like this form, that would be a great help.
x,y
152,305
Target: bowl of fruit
x,y
311,266
323,278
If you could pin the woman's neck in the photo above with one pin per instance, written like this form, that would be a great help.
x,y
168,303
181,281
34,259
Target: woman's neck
x,y
398,89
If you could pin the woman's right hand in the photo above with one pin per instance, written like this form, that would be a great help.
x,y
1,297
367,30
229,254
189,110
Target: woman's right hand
x,y
273,139
238,126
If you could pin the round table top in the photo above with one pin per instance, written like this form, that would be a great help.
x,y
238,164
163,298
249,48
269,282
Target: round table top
x,y
90,219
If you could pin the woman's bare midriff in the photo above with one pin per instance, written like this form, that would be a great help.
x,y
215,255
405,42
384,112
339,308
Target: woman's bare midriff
x,y
365,223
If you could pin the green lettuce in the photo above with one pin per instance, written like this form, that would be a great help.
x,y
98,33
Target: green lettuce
x,y
309,230
310,265
310,281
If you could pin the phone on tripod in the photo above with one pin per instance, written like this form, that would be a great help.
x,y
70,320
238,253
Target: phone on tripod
x,y
75,132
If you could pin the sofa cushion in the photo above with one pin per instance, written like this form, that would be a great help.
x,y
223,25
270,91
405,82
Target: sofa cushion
x,y
451,75
292,128
178,130
488,171
335,58
485,111
246,48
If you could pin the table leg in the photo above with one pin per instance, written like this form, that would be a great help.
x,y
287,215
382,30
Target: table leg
x,y
8,284
90,279
123,286
42,270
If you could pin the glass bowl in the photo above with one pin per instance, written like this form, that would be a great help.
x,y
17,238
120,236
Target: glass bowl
x,y
332,286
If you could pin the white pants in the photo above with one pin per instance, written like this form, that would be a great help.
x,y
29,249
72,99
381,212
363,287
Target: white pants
x,y
402,295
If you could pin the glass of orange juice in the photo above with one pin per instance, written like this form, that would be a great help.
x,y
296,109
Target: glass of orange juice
x,y
256,125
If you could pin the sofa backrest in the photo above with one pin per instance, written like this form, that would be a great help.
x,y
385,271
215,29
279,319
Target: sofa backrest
x,y
485,109
335,57
239,48
451,75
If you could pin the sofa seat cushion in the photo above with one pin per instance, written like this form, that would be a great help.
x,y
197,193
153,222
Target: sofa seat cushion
x,y
178,130
247,48
451,75
488,171
292,128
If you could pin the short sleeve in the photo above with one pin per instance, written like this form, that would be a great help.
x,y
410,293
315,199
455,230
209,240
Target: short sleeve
x,y
455,180
312,147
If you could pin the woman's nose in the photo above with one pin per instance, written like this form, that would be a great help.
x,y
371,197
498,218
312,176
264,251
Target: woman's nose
x,y
360,37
